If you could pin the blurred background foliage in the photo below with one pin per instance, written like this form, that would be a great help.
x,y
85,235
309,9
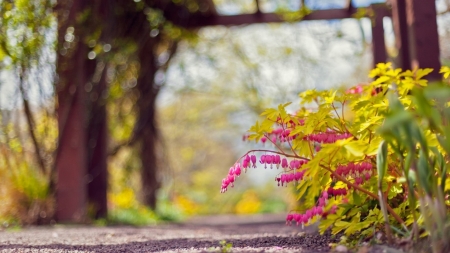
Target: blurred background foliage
x,y
217,83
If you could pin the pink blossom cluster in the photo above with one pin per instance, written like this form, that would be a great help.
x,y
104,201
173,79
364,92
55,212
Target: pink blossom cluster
x,y
360,172
327,137
278,134
358,89
249,160
234,172
291,122
289,177
312,212
270,159
333,192
297,164
281,134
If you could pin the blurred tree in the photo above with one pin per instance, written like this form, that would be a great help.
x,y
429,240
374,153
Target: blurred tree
x,y
90,34
25,142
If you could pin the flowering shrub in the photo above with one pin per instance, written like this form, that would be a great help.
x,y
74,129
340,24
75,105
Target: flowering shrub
x,y
328,149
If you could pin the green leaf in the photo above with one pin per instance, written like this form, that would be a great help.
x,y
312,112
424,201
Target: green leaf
x,y
382,160
356,198
328,222
356,148
424,172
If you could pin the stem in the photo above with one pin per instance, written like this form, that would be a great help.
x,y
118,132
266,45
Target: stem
x,y
292,149
331,158
340,120
356,187
274,152
277,145
337,114
30,122
310,150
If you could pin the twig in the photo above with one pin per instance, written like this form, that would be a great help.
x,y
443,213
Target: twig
x,y
356,187
30,122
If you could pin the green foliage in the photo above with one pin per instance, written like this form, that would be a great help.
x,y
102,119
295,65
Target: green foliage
x,y
293,16
225,246
396,124
417,134
132,216
23,28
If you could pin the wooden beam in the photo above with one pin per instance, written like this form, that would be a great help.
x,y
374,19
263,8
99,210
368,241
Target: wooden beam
x,y
246,19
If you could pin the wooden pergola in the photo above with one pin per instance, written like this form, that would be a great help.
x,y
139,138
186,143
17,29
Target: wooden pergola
x,y
416,39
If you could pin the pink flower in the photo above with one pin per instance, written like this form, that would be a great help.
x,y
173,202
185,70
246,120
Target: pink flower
x,y
253,158
262,159
274,139
245,164
305,219
358,180
298,218
367,176
231,172
277,160
321,202
284,163
283,179
333,209
269,159
263,140
358,89
318,148
289,218
237,169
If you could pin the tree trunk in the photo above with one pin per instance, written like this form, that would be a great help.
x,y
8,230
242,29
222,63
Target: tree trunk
x,y
71,155
97,127
148,135
97,145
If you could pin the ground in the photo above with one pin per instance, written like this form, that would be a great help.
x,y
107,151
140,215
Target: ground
x,y
262,233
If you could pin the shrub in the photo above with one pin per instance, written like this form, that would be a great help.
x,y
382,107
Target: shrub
x,y
328,149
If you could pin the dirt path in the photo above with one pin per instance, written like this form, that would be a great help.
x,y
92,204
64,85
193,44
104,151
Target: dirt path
x,y
265,233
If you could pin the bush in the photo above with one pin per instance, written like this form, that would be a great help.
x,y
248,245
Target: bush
x,y
329,147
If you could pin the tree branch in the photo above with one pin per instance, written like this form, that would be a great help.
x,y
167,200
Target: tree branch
x,y
30,122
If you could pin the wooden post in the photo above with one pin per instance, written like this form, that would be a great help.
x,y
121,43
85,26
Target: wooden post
x,y
401,33
378,43
423,35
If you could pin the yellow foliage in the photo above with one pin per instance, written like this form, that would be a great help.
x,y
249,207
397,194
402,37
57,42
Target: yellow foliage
x,y
124,199
248,204
186,205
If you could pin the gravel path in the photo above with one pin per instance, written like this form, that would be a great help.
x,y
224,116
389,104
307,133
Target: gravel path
x,y
265,233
